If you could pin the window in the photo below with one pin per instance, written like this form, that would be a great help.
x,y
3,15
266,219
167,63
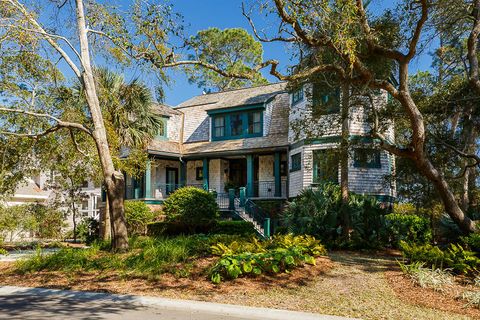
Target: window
x,y
325,100
297,95
199,173
325,166
236,124
219,126
296,160
367,158
254,122
162,131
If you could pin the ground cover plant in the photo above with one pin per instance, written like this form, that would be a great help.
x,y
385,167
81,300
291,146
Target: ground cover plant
x,y
280,254
150,257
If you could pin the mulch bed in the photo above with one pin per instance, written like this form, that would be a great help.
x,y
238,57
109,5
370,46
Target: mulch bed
x,y
196,285
446,300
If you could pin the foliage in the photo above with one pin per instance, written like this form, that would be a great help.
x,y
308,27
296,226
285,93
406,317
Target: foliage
x,y
251,258
241,227
437,279
472,241
472,298
454,257
407,227
3,252
43,222
190,207
138,216
232,50
88,230
175,228
14,221
316,212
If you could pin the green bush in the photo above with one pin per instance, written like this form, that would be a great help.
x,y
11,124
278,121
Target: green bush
x,y
174,228
88,230
3,252
234,227
472,241
191,207
138,215
455,257
317,212
280,254
407,227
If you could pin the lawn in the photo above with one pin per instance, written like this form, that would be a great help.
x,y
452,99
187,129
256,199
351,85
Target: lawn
x,y
359,285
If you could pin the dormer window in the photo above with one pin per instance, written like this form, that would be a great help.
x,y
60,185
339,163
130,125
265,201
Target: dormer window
x,y
242,122
219,126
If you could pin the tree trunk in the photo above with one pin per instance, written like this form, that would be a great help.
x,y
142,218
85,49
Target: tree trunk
x,y
448,198
344,144
114,181
105,223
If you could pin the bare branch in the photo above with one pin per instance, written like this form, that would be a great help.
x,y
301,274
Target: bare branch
x,y
412,48
264,39
60,123
75,143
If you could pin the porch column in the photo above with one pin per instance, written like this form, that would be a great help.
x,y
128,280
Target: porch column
x,y
125,177
183,173
276,173
205,174
148,180
250,175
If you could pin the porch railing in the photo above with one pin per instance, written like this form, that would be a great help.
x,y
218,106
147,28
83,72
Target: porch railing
x,y
163,190
266,189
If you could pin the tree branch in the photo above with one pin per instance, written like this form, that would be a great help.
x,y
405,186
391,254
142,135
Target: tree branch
x,y
472,46
60,123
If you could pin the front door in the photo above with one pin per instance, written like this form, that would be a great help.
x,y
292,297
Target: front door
x,y
172,180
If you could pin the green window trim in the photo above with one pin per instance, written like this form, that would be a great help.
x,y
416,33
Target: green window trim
x,y
296,162
297,95
237,125
367,158
163,134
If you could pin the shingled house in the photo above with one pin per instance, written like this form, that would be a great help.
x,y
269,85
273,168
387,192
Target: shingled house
x,y
245,138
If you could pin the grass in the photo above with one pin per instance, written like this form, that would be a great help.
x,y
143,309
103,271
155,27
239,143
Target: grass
x,y
436,279
148,256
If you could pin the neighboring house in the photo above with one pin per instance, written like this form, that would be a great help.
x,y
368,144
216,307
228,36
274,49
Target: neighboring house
x,y
247,138
31,190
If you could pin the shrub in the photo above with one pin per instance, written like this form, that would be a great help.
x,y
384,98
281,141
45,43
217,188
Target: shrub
x,y
317,212
407,227
234,227
191,207
472,298
3,252
88,230
49,221
472,241
437,279
175,228
14,221
138,215
280,254
461,261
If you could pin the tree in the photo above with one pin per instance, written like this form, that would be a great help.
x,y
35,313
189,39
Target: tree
x,y
342,30
20,26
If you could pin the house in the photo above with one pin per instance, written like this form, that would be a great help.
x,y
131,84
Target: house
x,y
249,139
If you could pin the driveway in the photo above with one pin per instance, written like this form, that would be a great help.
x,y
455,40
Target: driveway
x,y
37,303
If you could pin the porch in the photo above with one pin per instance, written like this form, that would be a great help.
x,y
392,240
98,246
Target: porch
x,y
264,176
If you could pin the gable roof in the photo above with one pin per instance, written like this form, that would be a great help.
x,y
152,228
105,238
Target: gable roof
x,y
165,110
236,97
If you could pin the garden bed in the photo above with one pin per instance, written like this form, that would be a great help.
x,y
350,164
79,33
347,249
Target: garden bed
x,y
361,285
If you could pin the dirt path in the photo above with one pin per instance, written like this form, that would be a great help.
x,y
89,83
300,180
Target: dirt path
x,y
351,285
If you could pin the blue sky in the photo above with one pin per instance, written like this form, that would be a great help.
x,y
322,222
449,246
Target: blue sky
x,y
202,14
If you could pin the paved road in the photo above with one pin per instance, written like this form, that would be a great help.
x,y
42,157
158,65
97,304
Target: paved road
x,y
37,303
